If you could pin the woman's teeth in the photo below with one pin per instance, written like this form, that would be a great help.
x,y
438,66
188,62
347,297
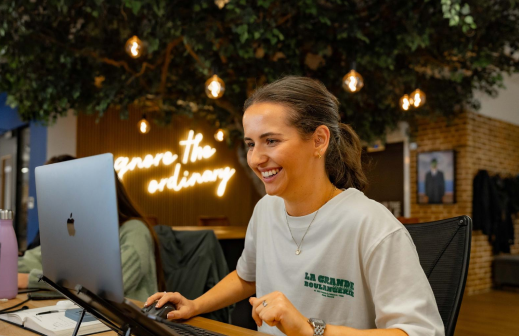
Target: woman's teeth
x,y
270,172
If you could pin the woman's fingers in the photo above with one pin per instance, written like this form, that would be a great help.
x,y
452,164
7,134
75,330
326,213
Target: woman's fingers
x,y
272,307
164,297
174,298
268,313
256,303
153,298
184,307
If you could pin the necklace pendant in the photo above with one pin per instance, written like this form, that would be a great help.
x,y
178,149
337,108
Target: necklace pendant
x,y
298,252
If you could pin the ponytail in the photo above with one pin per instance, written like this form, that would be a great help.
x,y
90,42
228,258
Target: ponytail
x,y
343,159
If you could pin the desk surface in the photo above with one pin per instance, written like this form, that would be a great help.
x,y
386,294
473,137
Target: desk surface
x,y
222,232
223,328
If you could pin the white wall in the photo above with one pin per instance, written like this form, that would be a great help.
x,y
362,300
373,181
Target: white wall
x,y
505,106
62,136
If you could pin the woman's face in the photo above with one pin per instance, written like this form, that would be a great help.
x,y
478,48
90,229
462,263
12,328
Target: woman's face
x,y
276,152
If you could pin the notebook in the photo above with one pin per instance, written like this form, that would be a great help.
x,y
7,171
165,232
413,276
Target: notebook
x,y
61,320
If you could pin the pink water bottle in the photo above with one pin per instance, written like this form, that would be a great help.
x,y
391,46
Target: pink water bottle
x,y
8,256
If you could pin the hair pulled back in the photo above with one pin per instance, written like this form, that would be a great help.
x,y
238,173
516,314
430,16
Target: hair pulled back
x,y
311,105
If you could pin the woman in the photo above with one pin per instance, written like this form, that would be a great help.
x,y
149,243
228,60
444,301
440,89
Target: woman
x,y
316,247
140,257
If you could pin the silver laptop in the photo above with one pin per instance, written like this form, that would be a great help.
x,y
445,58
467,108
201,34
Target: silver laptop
x,y
79,227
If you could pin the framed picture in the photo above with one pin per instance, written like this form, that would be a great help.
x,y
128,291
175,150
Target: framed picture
x,y
436,177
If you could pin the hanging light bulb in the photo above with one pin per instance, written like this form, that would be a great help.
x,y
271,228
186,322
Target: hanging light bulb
x,y
220,135
417,98
134,47
352,81
405,103
143,125
221,3
214,87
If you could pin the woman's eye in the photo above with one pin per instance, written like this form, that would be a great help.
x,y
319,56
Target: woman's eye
x,y
271,141
249,145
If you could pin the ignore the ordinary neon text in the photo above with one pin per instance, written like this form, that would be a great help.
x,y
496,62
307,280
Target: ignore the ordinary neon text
x,y
193,152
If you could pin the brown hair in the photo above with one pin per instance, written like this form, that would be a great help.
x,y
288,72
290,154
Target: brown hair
x,y
60,158
128,210
312,105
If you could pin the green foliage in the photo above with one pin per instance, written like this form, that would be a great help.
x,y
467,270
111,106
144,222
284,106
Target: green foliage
x,y
51,53
456,14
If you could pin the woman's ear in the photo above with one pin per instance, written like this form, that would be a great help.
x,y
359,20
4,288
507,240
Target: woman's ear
x,y
321,140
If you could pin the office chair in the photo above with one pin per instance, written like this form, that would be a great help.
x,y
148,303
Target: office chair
x,y
444,250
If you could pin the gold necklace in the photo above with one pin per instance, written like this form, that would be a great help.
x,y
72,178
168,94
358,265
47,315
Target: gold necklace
x,y
298,251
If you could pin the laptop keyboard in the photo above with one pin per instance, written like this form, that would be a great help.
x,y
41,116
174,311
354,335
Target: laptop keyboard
x,y
193,331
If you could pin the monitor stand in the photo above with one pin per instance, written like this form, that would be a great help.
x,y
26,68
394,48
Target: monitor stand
x,y
123,318
78,324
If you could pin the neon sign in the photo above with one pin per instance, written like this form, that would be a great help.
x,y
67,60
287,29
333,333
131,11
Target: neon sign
x,y
176,182
123,164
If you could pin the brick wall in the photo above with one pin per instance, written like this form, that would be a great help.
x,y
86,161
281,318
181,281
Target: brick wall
x,y
480,143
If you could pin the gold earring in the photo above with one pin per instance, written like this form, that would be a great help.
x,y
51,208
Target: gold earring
x,y
320,154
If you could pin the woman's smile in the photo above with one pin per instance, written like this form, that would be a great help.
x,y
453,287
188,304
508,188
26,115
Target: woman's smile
x,y
269,175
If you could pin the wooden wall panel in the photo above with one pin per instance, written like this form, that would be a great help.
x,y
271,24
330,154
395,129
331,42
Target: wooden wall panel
x,y
121,137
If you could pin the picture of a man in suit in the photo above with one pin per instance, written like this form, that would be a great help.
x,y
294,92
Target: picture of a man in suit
x,y
434,183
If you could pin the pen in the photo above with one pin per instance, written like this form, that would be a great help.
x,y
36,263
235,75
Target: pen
x,y
48,312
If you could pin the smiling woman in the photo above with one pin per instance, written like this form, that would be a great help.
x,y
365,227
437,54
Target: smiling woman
x,y
355,266
311,111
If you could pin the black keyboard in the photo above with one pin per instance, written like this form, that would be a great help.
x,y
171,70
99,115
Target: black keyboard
x,y
192,331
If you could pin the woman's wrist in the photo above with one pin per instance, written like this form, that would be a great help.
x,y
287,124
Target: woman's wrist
x,y
307,329
197,307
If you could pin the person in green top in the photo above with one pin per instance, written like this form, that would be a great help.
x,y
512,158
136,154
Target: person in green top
x,y
140,256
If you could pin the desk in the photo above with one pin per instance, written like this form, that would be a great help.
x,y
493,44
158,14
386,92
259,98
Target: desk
x,y
221,232
223,328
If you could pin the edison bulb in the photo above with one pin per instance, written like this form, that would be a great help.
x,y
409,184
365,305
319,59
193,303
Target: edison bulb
x,y
221,3
405,103
352,81
418,98
214,87
219,135
134,47
143,125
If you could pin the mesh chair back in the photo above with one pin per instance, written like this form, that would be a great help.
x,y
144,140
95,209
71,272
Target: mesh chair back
x,y
444,251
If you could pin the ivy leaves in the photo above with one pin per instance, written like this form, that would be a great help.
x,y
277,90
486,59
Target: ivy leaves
x,y
456,14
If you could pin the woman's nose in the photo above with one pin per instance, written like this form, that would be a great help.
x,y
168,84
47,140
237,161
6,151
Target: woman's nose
x,y
256,158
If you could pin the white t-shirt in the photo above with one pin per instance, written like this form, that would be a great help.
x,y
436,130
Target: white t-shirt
x,y
358,265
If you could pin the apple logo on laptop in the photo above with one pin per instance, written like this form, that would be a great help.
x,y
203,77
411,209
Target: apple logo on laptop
x,y
70,226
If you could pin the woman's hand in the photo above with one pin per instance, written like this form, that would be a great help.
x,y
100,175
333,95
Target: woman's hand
x,y
23,280
185,308
280,312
